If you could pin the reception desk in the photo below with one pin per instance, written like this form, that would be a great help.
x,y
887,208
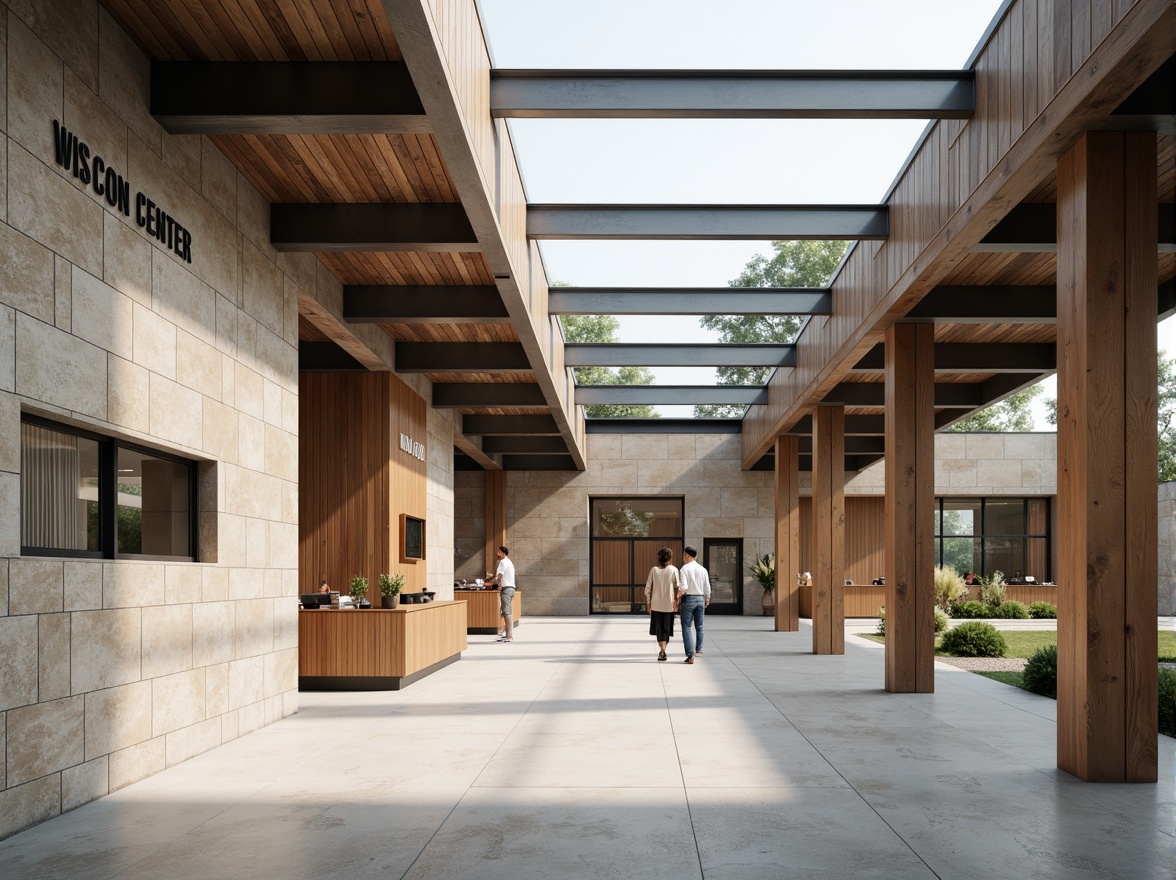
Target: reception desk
x,y
484,609
377,649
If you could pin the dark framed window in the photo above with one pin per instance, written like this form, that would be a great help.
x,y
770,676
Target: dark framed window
x,y
86,495
984,535
625,535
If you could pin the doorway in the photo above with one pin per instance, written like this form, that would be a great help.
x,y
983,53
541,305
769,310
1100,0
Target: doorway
x,y
723,559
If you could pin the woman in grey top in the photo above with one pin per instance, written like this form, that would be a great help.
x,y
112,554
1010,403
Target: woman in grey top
x,y
661,595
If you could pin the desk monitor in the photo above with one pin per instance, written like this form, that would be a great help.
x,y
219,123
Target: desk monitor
x,y
315,600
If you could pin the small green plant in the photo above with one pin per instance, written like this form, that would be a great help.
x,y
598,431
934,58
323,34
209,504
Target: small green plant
x,y
1011,611
949,587
992,590
1043,611
764,571
1167,683
881,620
1041,672
940,622
359,586
391,584
974,639
971,609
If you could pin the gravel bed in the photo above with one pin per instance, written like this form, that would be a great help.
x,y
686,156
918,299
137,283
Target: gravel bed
x,y
986,664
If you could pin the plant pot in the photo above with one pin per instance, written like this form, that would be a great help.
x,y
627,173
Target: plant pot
x,y
768,603
390,601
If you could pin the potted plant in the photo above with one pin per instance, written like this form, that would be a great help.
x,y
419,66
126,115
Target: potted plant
x,y
359,585
390,587
764,570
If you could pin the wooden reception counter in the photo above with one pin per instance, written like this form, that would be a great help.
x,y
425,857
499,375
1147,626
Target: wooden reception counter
x,y
376,649
484,609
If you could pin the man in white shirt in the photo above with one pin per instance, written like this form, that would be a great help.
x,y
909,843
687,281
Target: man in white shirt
x,y
694,592
504,577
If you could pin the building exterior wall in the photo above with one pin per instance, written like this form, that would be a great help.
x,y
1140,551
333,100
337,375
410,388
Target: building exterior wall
x,y
547,512
114,670
1167,548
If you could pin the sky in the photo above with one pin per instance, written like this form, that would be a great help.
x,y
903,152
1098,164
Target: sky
x,y
729,161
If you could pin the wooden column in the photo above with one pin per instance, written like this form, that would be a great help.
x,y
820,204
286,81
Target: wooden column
x,y
495,517
909,504
1107,726
787,533
829,530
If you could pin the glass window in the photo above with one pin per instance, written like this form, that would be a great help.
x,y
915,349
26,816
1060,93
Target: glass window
x,y
961,516
636,517
1004,517
87,495
962,554
983,535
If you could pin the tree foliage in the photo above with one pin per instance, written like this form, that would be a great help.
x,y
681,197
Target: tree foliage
x,y
793,264
603,328
1011,414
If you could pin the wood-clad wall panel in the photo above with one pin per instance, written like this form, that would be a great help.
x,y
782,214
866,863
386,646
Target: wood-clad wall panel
x,y
864,533
610,562
965,176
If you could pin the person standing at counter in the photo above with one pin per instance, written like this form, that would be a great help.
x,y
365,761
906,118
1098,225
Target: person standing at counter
x,y
661,595
504,578
694,591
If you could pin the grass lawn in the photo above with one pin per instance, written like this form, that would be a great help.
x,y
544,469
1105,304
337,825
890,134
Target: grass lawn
x,y
1022,643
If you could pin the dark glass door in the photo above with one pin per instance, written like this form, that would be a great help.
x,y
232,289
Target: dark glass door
x,y
723,560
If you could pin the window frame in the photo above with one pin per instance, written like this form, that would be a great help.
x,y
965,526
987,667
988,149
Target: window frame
x,y
108,448
982,535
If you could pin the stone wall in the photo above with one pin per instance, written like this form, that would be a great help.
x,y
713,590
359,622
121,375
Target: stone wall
x,y
547,512
114,670
1167,548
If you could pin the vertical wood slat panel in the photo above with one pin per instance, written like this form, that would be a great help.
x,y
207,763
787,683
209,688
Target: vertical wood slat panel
x,y
495,517
610,562
787,532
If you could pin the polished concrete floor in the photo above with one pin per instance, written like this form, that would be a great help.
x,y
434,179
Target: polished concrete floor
x,y
573,753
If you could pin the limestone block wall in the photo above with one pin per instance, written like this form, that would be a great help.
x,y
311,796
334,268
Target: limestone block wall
x,y
114,670
547,512
1167,548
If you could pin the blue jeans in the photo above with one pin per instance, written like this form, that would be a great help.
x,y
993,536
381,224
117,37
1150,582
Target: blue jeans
x,y
693,610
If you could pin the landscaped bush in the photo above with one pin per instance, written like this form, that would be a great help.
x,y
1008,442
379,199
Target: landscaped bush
x,y
1041,672
992,590
1168,701
971,609
949,587
882,620
940,622
974,639
1011,611
1043,611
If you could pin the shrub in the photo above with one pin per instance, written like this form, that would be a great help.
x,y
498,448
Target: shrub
x,y
1041,672
992,591
949,587
971,609
1168,701
1043,611
974,639
940,622
1011,611
882,620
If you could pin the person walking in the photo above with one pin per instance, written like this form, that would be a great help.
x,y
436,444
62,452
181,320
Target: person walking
x,y
661,595
694,592
504,578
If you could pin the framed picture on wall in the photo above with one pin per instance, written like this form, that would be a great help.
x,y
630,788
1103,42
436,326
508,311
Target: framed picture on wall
x,y
412,538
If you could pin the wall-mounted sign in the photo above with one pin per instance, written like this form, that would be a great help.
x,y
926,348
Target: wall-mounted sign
x,y
74,155
412,447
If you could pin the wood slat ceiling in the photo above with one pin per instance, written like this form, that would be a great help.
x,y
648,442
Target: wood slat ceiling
x,y
258,30
342,167
484,379
955,333
413,267
1047,190
451,332
1002,268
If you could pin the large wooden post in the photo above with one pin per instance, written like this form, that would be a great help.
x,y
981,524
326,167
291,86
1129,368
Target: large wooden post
x,y
1107,725
829,530
909,505
787,533
495,517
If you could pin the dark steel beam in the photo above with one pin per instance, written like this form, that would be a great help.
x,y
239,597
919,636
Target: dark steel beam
x,y
732,94
474,395
461,357
853,444
1152,106
587,395
321,97
672,354
524,445
977,357
947,395
326,357
527,425
423,304
689,301
707,222
538,463
1033,228
663,426
317,228
988,305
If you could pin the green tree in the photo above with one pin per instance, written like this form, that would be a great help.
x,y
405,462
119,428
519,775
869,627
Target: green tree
x,y
1165,416
603,328
794,264
1011,414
